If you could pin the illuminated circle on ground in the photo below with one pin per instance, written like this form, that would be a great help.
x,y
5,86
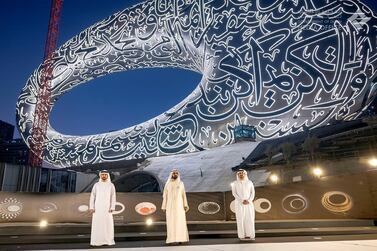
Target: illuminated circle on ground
x,y
258,205
83,208
263,65
337,201
145,208
232,206
209,207
119,211
10,208
48,207
294,203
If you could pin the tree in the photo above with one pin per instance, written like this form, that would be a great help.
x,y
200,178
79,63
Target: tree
x,y
270,151
310,145
288,150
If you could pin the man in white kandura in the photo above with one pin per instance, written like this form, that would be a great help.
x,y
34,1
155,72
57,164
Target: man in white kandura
x,y
244,193
102,204
175,204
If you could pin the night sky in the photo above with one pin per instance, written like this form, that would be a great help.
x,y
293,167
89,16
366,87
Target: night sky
x,y
113,102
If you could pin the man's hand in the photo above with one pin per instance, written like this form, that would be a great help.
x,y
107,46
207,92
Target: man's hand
x,y
245,202
186,209
91,211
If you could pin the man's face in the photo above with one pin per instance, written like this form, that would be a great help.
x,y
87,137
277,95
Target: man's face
x,y
241,175
104,176
174,175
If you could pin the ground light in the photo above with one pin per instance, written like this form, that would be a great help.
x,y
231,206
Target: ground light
x,y
274,178
149,222
317,172
372,162
43,223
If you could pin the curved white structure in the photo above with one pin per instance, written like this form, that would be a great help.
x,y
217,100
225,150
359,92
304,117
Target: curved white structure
x,y
280,67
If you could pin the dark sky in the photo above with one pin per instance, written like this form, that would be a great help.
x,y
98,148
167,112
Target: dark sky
x,y
113,102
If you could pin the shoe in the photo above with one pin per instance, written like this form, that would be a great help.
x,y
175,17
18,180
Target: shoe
x,y
249,239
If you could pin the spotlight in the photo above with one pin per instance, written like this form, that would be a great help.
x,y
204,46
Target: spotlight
x,y
43,223
274,178
149,222
372,162
317,171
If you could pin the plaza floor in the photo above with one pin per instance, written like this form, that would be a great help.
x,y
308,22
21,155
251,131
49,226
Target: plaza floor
x,y
363,245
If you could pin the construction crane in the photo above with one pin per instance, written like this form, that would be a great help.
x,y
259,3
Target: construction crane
x,y
43,106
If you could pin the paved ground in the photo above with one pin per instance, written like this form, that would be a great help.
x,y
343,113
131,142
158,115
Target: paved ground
x,y
307,243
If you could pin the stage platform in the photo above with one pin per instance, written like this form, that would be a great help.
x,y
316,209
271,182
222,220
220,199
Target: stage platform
x,y
307,243
364,245
31,235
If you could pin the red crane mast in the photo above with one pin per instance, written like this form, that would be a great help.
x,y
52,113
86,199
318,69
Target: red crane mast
x,y
43,106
